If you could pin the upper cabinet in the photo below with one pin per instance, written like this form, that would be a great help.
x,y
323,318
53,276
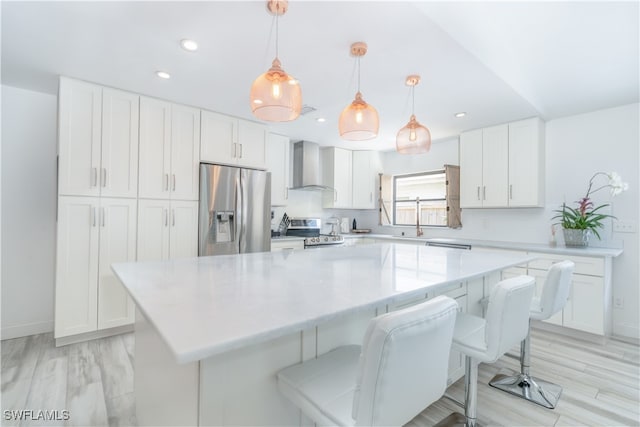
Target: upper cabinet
x,y
98,141
169,150
278,154
364,179
337,174
227,140
503,166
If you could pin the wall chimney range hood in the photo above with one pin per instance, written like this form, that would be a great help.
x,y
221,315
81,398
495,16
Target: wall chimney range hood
x,y
306,167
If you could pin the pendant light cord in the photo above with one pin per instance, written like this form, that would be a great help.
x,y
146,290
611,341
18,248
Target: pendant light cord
x,y
413,100
277,15
358,74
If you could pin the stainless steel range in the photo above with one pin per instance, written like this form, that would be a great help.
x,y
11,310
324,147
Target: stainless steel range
x,y
309,228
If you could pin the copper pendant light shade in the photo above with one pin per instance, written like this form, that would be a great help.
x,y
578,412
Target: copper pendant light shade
x,y
275,95
413,138
358,121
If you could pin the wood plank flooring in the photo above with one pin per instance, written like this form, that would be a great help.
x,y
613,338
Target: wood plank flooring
x,y
94,382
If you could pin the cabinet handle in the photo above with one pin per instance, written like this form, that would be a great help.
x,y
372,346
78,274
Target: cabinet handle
x,y
166,182
484,192
102,215
511,191
240,150
173,179
478,192
335,195
104,177
235,150
166,217
173,217
93,219
94,177
286,193
370,196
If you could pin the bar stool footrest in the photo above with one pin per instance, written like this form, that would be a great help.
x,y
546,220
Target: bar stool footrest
x,y
535,390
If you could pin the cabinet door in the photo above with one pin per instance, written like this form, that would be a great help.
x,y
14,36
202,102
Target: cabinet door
x,y
218,138
76,266
117,244
495,166
251,145
185,152
585,308
153,230
471,169
277,156
526,160
342,170
155,148
79,138
119,159
183,230
363,180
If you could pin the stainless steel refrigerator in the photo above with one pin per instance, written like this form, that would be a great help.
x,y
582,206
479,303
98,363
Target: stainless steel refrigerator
x,y
235,210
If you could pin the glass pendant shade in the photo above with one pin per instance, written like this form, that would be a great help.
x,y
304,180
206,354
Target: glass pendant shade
x,y
413,138
359,121
276,96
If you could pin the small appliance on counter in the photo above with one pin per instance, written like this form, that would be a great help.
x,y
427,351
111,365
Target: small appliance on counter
x,y
309,228
344,225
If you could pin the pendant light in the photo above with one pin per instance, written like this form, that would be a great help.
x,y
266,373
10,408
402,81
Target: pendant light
x,y
275,95
413,138
359,121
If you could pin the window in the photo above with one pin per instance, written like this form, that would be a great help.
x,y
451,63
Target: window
x,y
424,192
436,194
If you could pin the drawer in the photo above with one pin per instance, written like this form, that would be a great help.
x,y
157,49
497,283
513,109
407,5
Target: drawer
x,y
584,265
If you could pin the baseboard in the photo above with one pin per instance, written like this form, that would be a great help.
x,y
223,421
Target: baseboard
x,y
10,332
72,339
626,332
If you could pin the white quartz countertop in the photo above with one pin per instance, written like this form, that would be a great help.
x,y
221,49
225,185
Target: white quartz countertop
x,y
208,305
516,246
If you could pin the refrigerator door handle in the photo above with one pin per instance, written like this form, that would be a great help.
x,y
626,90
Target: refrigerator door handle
x,y
240,212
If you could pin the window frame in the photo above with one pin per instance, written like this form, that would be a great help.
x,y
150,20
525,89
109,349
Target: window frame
x,y
395,200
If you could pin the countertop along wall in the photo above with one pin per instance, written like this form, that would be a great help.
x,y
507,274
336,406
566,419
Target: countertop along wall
x,y
29,129
576,147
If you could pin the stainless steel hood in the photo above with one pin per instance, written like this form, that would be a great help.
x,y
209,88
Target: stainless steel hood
x,y
306,167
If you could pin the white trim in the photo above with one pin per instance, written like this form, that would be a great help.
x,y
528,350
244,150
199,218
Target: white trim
x,y
72,339
17,331
626,331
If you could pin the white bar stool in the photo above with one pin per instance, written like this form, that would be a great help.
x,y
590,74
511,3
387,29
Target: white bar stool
x,y
400,369
555,293
486,340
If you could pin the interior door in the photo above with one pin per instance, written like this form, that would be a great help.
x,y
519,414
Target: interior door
x,y
117,244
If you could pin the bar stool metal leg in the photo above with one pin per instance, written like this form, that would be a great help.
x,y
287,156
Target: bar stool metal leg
x,y
469,419
524,385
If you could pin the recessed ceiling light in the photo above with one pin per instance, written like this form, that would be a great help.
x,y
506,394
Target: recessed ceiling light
x,y
189,45
321,119
163,74
461,114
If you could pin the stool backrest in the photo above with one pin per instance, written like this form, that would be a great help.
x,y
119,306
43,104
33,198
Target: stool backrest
x,y
403,363
508,315
555,291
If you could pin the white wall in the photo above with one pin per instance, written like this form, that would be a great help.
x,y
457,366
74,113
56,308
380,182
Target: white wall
x,y
28,170
576,148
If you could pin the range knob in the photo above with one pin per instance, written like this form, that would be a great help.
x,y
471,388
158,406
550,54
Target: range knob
x,y
326,239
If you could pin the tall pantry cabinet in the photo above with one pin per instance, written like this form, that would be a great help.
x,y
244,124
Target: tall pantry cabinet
x,y
97,208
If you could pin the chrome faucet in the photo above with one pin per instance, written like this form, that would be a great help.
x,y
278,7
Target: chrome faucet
x,y
418,229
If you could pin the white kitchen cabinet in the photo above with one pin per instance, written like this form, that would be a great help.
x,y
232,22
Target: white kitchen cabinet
x,y
169,150
337,174
286,245
584,310
503,166
92,234
471,169
526,163
98,140
364,179
167,229
228,140
278,154
117,244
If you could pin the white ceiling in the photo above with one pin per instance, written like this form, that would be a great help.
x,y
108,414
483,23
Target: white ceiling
x,y
498,61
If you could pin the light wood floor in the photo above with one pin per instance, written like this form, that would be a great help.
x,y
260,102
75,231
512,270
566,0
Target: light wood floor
x,y
94,381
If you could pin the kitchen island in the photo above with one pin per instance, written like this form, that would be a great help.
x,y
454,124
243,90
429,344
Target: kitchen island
x,y
212,332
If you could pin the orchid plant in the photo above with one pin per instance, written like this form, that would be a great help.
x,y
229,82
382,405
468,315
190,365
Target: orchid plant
x,y
586,216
